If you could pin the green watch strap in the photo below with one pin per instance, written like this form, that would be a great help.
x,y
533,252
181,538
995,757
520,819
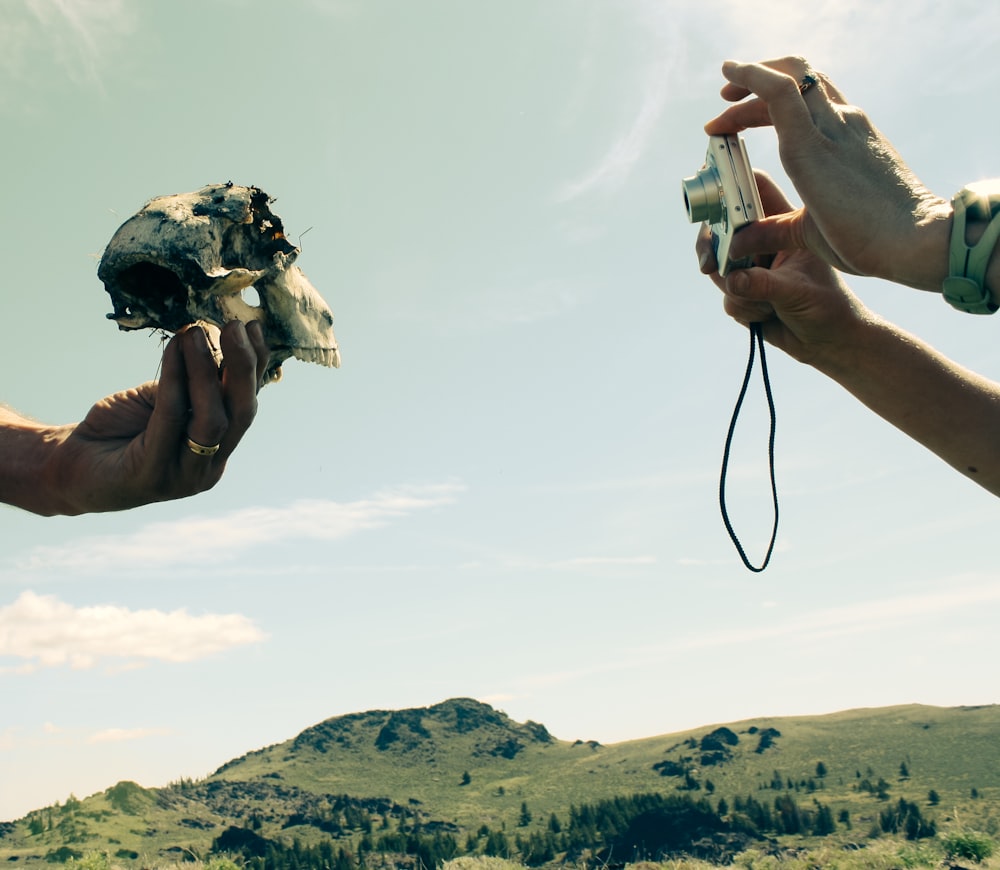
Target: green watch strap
x,y
965,287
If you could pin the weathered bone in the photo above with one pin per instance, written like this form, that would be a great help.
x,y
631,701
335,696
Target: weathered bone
x,y
189,257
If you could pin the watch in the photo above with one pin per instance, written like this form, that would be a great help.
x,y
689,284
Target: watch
x,y
965,287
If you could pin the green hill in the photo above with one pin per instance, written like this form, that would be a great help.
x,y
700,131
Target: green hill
x,y
461,769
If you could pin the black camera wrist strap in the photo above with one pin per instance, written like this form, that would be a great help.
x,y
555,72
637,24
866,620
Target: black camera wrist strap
x,y
756,341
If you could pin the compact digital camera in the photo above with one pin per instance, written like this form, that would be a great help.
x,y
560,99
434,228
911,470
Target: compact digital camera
x,y
724,195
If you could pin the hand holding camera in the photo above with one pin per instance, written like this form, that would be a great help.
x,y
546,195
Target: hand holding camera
x,y
724,195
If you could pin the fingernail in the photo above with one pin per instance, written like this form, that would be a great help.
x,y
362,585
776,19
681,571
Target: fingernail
x,y
703,261
240,334
206,345
739,283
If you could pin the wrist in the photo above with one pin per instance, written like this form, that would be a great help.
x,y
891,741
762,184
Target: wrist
x,y
924,261
27,467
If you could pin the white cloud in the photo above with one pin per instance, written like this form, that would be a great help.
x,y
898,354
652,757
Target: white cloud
x,y
213,539
46,632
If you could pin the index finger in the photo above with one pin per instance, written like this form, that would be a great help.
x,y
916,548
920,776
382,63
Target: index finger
x,y
781,87
241,350
171,407
779,99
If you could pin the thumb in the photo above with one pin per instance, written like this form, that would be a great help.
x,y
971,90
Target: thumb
x,y
748,293
782,232
749,285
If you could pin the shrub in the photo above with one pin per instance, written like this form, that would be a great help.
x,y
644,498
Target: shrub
x,y
89,861
62,855
482,862
971,845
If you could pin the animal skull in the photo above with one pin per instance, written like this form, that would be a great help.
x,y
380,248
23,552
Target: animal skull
x,y
189,257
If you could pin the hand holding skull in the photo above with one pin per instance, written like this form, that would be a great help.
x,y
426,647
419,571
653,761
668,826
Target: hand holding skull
x,y
131,449
181,265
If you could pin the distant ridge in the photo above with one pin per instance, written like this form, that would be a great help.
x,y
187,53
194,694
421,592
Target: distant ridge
x,y
455,772
414,734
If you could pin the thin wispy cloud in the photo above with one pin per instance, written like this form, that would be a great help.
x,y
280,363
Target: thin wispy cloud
x,y
776,28
335,8
581,564
73,36
41,631
858,618
660,70
490,305
216,539
668,65
864,617
527,303
49,736
121,735
612,171
603,562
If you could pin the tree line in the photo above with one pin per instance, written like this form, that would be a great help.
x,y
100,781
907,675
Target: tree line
x,y
628,828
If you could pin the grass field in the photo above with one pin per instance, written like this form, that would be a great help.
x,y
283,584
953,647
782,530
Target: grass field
x,y
466,765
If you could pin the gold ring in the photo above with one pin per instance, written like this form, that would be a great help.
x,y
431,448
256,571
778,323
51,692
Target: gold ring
x,y
201,449
808,81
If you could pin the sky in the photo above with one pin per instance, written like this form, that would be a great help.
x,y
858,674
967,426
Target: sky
x,y
509,491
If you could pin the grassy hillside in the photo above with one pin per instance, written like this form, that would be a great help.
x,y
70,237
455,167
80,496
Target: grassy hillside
x,y
460,765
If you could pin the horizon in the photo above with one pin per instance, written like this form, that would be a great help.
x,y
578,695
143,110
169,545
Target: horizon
x,y
430,707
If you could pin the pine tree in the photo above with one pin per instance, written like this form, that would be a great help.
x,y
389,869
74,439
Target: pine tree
x,y
823,824
524,819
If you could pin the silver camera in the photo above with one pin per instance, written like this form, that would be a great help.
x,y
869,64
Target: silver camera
x,y
724,195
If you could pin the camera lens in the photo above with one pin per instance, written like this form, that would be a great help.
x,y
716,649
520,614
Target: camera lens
x,y
703,196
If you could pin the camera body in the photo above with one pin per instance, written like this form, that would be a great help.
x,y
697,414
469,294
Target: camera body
x,y
724,195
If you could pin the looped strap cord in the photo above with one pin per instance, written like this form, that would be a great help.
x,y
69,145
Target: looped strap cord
x,y
756,341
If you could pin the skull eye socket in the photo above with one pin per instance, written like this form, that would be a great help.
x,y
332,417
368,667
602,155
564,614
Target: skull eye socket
x,y
251,297
157,292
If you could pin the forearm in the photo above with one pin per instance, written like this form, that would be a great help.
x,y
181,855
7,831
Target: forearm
x,y
26,448
950,410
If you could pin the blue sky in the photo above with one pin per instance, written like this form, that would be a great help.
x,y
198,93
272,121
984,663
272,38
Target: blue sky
x,y
509,490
